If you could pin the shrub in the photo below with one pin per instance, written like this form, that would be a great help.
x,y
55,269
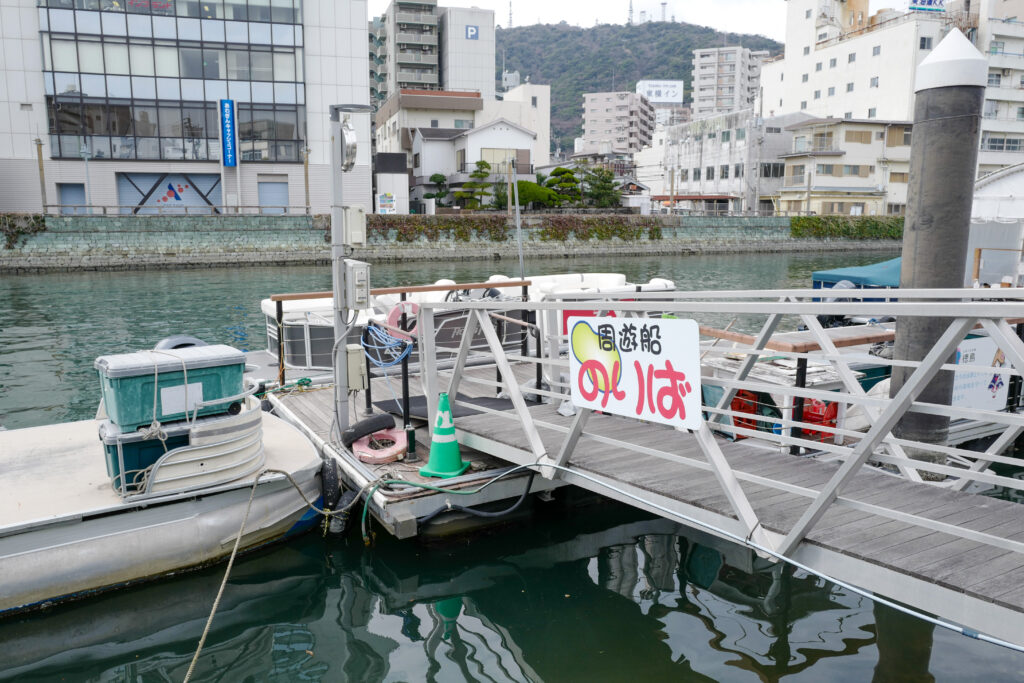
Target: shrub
x,y
432,228
847,227
583,228
14,226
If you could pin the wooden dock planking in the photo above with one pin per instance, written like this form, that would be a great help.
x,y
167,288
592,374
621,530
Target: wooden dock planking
x,y
932,556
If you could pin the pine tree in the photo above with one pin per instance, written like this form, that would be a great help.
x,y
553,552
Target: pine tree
x,y
474,191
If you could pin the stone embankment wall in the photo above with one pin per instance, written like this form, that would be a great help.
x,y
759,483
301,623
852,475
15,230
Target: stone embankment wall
x,y
146,242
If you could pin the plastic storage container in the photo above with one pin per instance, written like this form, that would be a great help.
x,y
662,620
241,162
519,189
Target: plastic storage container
x,y
126,383
138,453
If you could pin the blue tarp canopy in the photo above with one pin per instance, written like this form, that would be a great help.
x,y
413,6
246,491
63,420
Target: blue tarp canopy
x,y
884,274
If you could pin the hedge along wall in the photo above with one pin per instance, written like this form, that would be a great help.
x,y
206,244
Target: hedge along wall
x,y
139,242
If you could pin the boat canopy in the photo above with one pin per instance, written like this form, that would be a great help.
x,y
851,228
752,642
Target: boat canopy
x,y
884,274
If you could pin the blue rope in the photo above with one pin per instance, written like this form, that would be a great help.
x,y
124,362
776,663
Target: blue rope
x,y
378,340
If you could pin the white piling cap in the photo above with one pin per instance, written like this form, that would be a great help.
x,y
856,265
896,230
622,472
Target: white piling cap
x,y
953,62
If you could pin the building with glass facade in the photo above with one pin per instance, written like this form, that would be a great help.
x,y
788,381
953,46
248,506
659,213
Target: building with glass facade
x,y
134,86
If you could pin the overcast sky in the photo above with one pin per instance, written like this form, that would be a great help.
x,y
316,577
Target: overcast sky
x,y
766,17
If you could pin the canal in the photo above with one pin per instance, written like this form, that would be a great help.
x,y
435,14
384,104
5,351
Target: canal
x,y
579,590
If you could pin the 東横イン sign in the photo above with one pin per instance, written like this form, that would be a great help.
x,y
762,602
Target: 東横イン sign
x,y
647,368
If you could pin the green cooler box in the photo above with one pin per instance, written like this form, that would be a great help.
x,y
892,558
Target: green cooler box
x,y
137,453
126,383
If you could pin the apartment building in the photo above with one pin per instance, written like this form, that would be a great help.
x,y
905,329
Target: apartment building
x,y
417,45
1001,36
855,167
841,62
727,162
725,79
139,89
615,123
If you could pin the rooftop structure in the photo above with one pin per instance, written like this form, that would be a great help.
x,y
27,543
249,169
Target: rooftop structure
x,y
725,79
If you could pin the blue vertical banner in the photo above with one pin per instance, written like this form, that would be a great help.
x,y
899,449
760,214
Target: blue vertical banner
x,y
228,134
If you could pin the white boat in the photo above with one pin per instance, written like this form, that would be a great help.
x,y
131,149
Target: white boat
x,y
309,323
88,506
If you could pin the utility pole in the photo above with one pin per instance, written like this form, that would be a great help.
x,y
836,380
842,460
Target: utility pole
x,y
84,151
305,173
42,175
950,87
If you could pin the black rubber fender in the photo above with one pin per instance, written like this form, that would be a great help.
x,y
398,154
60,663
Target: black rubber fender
x,y
367,426
330,484
178,341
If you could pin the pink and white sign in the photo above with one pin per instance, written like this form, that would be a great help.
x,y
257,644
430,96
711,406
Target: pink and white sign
x,y
647,368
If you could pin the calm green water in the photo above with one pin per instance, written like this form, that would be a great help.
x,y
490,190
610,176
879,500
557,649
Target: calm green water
x,y
593,592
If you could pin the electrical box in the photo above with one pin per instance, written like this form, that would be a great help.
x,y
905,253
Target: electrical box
x,y
356,368
354,225
357,285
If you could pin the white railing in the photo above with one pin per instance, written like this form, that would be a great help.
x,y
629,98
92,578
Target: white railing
x,y
789,359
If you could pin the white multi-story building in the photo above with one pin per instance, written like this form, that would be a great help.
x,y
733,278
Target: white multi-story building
x,y
138,93
416,45
847,166
725,79
728,162
667,99
615,123
467,50
843,63
527,106
1001,36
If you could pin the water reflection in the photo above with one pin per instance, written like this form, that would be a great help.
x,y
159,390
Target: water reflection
x,y
609,595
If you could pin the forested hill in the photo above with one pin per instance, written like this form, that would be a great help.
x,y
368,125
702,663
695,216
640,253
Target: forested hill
x,y
607,57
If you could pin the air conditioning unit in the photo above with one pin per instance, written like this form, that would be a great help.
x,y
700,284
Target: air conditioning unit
x,y
1006,72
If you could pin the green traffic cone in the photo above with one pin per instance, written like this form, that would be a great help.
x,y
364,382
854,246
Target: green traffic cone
x,y
445,461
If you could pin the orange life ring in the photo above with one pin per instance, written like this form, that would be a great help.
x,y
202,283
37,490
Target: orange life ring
x,y
411,310
381,447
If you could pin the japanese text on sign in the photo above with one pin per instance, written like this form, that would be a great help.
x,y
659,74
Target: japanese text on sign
x,y
643,368
229,152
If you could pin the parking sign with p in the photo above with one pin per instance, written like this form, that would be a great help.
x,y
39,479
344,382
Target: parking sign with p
x,y
472,32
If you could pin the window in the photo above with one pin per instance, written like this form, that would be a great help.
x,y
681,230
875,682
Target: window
x,y
874,81
684,175
416,160
849,87
696,174
807,50
848,115
737,171
851,58
990,109
831,91
926,43
803,104
824,169
463,123
723,172
995,47
726,135
872,113
772,130
807,14
711,135
774,170
895,177
876,50
896,209
533,101
832,63
741,134
817,67
1020,113
817,94
994,79
433,123
822,36
710,173
803,78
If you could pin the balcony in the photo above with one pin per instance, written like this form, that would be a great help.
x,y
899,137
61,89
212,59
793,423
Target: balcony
x,y
794,181
416,39
420,18
1008,28
415,77
416,58
1001,59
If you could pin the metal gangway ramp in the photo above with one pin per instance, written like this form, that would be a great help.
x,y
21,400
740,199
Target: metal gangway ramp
x,y
848,503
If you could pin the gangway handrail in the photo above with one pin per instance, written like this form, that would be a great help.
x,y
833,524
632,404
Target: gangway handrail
x,y
457,287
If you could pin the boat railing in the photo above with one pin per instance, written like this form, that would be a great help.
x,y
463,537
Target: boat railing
x,y
802,372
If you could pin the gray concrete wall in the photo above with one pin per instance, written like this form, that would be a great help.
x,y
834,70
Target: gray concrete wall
x,y
145,242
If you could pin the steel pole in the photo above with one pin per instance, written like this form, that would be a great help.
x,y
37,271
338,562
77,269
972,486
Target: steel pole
x,y
943,164
42,174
